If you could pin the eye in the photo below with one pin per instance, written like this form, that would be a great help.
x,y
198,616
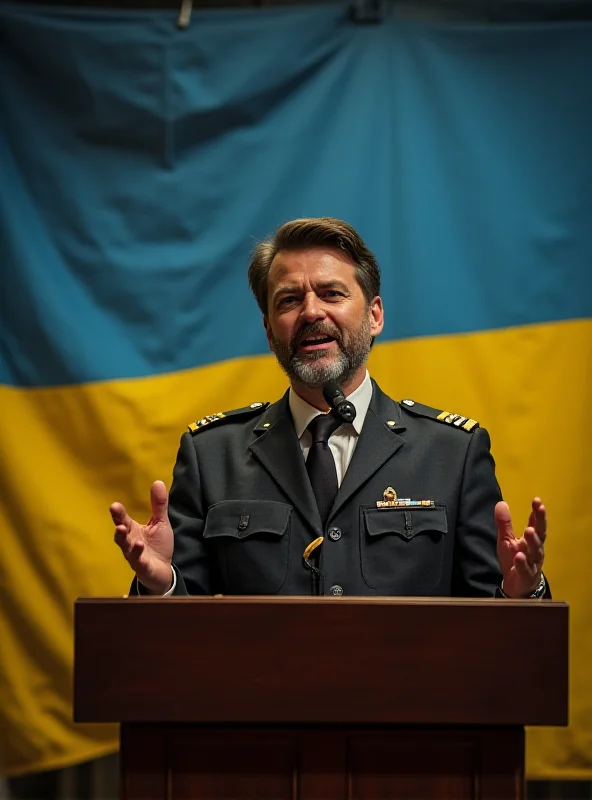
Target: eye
x,y
333,294
287,299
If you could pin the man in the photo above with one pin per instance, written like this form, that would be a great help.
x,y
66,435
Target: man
x,y
401,501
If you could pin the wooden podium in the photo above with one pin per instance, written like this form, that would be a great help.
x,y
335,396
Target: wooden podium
x,y
290,698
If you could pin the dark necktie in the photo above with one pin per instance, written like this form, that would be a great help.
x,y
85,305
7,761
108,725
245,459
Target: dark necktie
x,y
320,463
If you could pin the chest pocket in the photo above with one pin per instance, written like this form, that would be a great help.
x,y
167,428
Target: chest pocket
x,y
403,548
251,539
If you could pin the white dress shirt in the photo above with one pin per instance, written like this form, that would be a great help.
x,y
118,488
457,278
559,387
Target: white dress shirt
x,y
342,443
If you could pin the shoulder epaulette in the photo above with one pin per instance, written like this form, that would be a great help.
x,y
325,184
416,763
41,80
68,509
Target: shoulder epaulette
x,y
456,420
223,416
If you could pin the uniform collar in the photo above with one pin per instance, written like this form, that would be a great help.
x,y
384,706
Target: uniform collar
x,y
302,412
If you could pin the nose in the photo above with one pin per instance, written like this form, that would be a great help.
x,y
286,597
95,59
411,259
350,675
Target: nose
x,y
312,308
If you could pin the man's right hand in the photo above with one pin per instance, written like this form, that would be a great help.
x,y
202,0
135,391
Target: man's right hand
x,y
147,548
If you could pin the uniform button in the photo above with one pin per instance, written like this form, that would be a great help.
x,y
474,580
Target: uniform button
x,y
336,591
335,534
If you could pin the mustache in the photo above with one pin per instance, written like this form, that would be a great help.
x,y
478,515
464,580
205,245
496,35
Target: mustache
x,y
318,328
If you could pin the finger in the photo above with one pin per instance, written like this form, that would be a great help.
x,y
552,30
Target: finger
x,y
533,513
122,532
124,538
540,520
535,551
522,545
159,499
136,555
119,515
524,569
132,549
503,521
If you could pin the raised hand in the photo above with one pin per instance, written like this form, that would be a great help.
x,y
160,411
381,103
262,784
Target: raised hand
x,y
147,548
521,560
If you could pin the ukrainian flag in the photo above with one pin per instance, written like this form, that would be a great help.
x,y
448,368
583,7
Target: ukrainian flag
x,y
140,165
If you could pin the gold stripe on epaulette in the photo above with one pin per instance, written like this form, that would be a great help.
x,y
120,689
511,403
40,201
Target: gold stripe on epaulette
x,y
457,420
201,423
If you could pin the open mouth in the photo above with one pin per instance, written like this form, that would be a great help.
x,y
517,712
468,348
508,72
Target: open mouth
x,y
315,341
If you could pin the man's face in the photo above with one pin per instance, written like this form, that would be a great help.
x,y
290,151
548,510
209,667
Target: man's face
x,y
318,323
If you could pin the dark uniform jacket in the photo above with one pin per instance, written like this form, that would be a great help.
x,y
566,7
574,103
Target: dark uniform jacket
x,y
243,510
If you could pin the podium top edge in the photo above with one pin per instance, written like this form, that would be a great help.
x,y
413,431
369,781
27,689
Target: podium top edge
x,y
306,600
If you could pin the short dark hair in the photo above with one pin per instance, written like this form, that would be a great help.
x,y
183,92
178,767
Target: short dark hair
x,y
300,234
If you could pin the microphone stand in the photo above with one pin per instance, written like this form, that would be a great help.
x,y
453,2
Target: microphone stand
x,y
344,411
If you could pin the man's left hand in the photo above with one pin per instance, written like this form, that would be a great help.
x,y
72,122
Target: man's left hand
x,y
521,560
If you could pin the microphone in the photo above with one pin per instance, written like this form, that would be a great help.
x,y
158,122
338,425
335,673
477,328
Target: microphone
x,y
340,407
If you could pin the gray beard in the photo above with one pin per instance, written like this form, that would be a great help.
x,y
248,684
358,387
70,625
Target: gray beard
x,y
314,369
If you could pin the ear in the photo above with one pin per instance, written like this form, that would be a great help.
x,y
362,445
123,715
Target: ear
x,y
268,333
376,317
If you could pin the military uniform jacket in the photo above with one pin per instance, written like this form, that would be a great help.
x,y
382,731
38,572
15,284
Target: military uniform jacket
x,y
243,510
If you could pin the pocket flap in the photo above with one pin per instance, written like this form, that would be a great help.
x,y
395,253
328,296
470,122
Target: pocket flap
x,y
242,518
405,522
